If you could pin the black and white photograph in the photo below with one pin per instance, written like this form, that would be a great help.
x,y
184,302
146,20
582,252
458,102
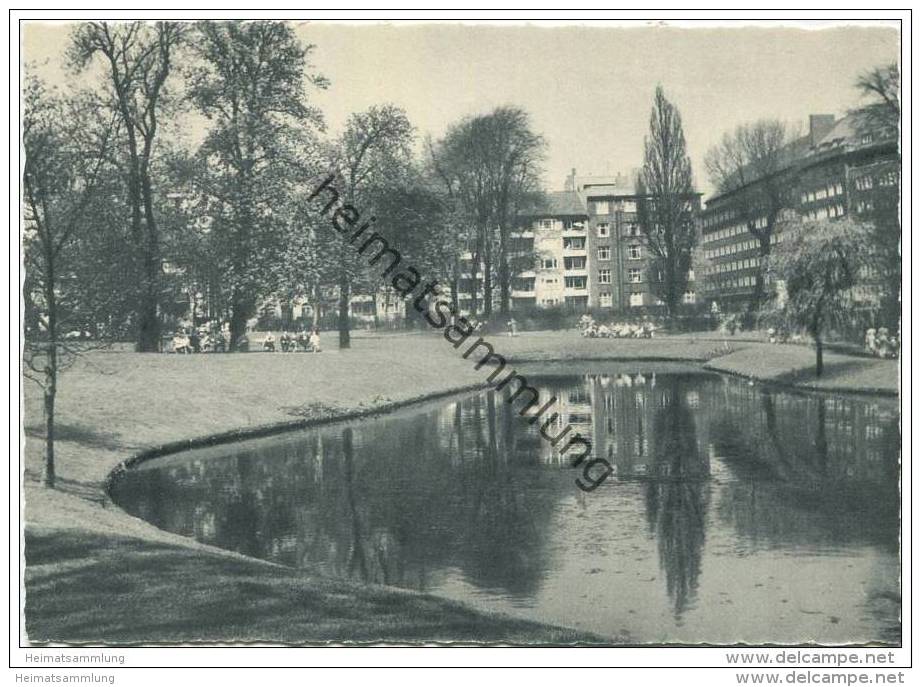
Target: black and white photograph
x,y
435,333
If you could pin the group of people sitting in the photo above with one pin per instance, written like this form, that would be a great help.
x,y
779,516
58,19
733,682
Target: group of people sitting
x,y
195,341
203,340
289,343
616,330
879,343
779,335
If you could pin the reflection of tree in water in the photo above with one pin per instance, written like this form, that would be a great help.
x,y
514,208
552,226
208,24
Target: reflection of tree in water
x,y
396,502
677,495
806,468
468,489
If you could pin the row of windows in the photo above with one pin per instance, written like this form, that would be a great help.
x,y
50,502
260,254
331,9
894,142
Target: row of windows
x,y
730,249
825,212
605,300
889,179
603,229
735,230
604,207
718,218
739,283
829,191
864,183
634,252
567,224
745,264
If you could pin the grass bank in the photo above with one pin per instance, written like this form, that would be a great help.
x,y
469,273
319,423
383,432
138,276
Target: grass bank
x,y
96,574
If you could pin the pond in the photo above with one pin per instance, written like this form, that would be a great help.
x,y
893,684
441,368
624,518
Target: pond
x,y
736,513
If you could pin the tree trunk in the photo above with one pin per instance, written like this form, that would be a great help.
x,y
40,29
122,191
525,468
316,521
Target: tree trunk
x,y
764,250
374,314
241,308
474,274
455,305
487,279
316,307
50,394
818,356
504,274
149,334
51,365
345,295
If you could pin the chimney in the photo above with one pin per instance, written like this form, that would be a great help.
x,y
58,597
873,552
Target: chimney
x,y
571,181
819,126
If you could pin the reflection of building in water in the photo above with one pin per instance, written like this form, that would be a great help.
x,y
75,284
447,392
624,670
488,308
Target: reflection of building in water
x,y
627,404
802,436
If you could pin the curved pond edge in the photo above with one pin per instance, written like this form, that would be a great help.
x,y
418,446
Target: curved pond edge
x,y
587,639
266,430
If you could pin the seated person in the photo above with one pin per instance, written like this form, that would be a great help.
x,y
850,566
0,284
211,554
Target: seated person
x,y
315,341
269,343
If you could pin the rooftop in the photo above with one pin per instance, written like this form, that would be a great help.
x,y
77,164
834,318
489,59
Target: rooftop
x,y
560,204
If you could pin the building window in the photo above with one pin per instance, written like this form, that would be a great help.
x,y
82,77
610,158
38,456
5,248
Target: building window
x,y
605,300
574,243
549,263
523,284
546,224
604,276
866,139
601,207
604,253
689,297
575,282
635,275
631,230
635,251
864,183
629,206
889,179
577,263
604,229
636,300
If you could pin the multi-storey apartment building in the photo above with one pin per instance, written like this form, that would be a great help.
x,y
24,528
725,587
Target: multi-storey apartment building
x,y
557,234
620,264
835,170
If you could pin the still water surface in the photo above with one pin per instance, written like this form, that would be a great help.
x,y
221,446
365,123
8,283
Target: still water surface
x,y
737,513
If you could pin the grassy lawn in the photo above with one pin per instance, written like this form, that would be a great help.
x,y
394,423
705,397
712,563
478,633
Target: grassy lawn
x,y
95,573
84,586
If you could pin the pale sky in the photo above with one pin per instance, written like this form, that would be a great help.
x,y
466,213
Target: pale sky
x,y
588,89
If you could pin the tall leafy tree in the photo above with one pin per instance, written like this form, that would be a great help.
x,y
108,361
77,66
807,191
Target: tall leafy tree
x,y
818,267
374,149
880,116
67,146
751,162
880,87
665,209
251,84
514,170
491,164
137,58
